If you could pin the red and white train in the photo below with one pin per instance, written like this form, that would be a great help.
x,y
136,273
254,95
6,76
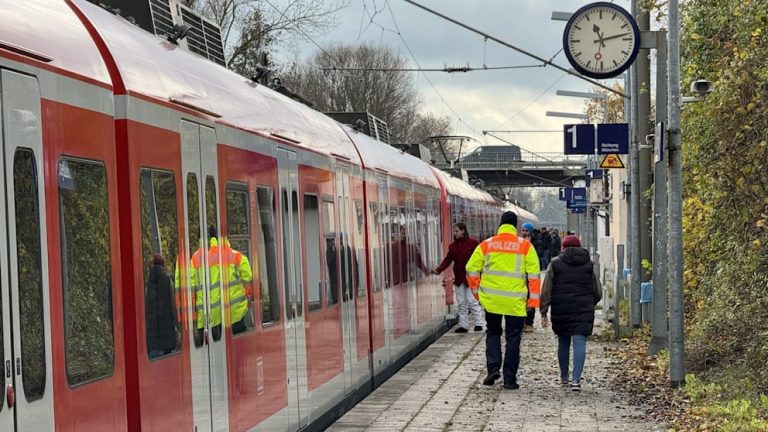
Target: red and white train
x,y
121,153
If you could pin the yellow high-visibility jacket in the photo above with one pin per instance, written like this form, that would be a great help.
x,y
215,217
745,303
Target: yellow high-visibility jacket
x,y
240,277
497,272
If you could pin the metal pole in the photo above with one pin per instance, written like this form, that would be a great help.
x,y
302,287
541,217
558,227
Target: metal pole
x,y
676,331
626,287
659,334
645,167
634,242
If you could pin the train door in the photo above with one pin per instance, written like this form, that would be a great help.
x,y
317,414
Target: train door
x,y
26,396
208,352
346,274
293,284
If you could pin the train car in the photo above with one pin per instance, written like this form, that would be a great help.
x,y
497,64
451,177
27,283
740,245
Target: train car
x,y
192,251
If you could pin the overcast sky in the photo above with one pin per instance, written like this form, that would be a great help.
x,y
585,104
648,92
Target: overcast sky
x,y
515,99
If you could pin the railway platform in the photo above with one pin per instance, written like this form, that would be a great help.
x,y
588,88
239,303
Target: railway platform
x,y
442,390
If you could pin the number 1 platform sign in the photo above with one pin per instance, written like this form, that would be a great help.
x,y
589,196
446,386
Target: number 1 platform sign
x,y
579,139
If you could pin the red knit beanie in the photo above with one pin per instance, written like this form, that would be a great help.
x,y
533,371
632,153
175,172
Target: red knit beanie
x,y
571,241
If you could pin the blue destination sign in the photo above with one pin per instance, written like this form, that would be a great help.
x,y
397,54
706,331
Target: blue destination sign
x,y
575,204
579,139
613,138
579,195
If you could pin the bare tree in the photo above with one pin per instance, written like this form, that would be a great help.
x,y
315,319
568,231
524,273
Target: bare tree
x,y
249,27
391,96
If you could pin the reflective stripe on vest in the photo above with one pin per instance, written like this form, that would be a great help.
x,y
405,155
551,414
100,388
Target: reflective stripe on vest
x,y
492,291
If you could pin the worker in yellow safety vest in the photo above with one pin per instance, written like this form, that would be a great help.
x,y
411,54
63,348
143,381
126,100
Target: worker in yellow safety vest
x,y
497,273
240,288
239,278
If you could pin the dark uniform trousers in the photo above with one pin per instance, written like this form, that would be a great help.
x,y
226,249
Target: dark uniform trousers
x,y
513,326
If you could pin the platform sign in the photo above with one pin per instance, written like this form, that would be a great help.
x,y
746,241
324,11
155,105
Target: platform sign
x,y
565,194
579,195
658,143
611,161
613,138
579,139
575,204
594,174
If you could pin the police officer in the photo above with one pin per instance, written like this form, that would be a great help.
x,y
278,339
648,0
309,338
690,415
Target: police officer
x,y
497,272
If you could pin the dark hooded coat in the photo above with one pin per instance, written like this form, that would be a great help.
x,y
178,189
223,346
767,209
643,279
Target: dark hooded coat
x,y
572,289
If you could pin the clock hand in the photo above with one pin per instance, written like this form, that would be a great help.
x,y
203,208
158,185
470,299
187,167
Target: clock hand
x,y
610,37
596,29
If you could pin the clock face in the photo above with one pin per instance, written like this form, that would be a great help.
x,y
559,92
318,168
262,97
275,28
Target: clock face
x,y
601,40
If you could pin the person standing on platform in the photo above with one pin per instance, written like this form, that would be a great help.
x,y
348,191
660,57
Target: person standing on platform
x,y
459,252
525,232
572,288
555,245
496,273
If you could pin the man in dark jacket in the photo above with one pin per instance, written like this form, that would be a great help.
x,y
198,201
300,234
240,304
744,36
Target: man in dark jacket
x,y
459,252
572,288
160,310
555,245
546,242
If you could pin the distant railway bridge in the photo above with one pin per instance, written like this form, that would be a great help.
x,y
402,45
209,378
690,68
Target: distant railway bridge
x,y
494,171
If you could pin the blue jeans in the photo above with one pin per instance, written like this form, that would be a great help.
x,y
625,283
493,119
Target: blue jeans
x,y
513,327
579,355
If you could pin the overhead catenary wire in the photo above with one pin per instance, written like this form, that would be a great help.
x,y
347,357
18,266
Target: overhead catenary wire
x,y
413,56
515,48
448,69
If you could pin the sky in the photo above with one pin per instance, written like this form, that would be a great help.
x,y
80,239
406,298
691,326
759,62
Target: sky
x,y
512,99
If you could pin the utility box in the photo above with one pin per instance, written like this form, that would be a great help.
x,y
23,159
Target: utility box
x,y
159,17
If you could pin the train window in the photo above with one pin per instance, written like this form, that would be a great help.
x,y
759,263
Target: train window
x,y
30,274
395,258
237,255
87,270
297,253
266,244
418,241
331,256
214,293
375,245
160,246
195,243
345,250
312,242
385,242
359,250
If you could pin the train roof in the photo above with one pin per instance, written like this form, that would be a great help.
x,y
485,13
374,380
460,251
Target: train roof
x,y
457,187
379,156
159,70
65,44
